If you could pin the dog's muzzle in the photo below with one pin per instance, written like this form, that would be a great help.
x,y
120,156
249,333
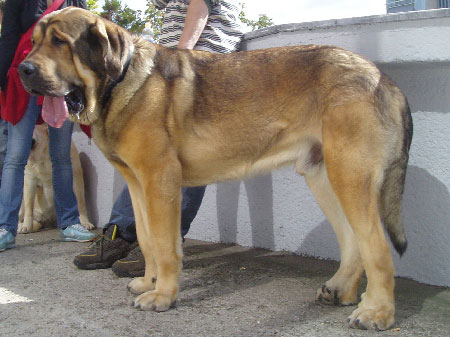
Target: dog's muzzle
x,y
31,79
28,73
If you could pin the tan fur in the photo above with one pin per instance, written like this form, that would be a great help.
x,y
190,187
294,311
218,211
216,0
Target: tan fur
x,y
188,118
38,208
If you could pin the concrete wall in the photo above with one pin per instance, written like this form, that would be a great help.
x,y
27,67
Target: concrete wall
x,y
278,212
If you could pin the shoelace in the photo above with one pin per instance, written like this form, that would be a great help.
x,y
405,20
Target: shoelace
x,y
135,253
100,241
80,228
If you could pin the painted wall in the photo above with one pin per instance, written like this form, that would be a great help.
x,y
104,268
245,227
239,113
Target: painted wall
x,y
278,212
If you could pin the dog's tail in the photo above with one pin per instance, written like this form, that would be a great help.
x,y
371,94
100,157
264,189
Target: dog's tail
x,y
393,185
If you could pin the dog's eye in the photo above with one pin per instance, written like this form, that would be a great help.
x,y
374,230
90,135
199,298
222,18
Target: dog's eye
x,y
57,42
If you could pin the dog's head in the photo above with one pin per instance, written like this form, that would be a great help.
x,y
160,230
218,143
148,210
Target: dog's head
x,y
75,54
39,144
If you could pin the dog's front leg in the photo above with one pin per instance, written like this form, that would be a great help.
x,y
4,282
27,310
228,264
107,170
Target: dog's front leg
x,y
141,285
156,198
162,214
27,205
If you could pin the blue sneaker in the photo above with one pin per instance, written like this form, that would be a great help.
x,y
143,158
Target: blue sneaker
x,y
76,233
7,240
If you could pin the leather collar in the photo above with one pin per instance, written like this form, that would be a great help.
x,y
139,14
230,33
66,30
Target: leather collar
x,y
114,83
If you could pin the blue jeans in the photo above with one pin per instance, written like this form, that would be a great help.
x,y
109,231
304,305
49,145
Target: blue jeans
x,y
122,213
3,142
18,151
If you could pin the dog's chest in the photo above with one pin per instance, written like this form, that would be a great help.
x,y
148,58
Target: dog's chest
x,y
106,145
40,170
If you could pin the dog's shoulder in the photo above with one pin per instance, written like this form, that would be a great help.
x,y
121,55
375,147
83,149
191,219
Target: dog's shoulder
x,y
168,63
174,63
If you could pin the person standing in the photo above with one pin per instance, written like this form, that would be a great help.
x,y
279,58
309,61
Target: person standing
x,y
208,25
22,113
3,125
2,6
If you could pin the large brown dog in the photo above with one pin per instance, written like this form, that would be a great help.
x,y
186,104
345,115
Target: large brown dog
x,y
170,118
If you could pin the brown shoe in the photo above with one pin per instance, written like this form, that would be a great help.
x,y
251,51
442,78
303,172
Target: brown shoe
x,y
104,251
131,266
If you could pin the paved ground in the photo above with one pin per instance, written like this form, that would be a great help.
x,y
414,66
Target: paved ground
x,y
225,291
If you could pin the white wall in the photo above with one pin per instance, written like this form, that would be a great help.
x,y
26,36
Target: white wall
x,y
278,212
102,182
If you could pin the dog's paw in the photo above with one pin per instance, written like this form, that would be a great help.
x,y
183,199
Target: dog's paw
x,y
87,225
155,301
25,228
139,285
372,316
333,296
36,226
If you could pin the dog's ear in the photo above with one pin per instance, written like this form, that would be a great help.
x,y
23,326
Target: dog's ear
x,y
115,44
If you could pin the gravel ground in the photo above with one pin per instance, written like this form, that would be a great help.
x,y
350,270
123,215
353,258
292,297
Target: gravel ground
x,y
225,291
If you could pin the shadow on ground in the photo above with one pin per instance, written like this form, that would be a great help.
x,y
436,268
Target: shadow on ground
x,y
226,290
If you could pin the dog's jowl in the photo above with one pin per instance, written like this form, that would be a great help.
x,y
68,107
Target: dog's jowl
x,y
171,118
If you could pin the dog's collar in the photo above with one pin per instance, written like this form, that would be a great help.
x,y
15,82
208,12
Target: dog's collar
x,y
113,84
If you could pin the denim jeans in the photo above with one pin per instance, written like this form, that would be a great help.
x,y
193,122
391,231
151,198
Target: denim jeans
x,y
3,142
18,151
122,212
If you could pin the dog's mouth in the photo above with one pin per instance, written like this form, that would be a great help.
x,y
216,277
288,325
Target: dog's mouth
x,y
57,108
75,100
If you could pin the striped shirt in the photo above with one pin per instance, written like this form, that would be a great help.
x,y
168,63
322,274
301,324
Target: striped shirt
x,y
223,31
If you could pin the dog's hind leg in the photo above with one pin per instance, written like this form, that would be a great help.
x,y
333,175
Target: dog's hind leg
x,y
355,157
342,288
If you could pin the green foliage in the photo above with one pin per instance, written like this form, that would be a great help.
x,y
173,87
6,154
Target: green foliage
x,y
135,21
131,20
124,16
92,6
262,22
154,17
111,10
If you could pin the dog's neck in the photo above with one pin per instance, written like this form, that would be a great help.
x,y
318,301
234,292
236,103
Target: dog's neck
x,y
110,87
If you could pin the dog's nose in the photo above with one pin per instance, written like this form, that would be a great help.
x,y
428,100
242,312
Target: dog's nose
x,y
27,69
33,143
